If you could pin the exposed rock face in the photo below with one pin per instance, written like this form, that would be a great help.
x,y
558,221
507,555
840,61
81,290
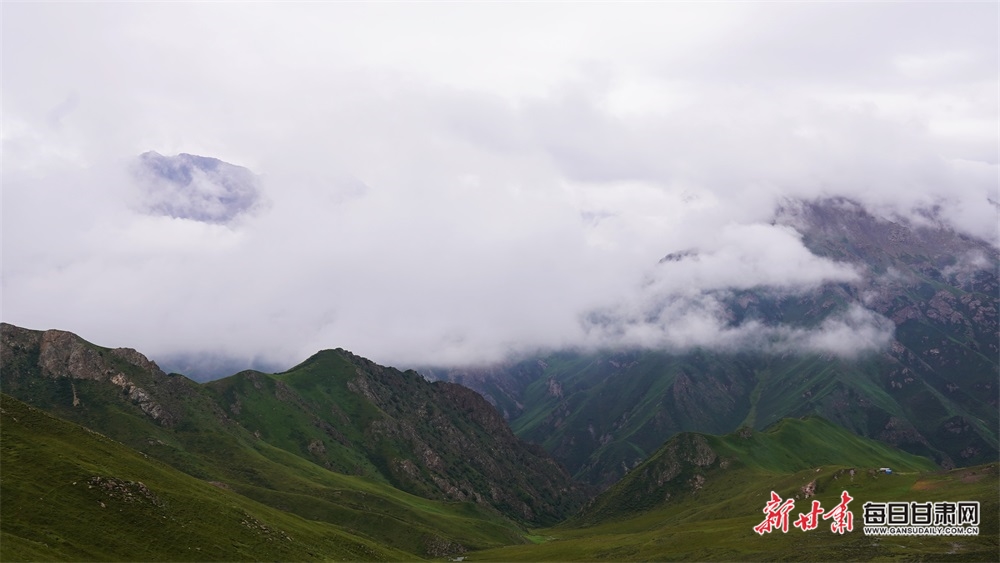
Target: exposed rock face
x,y
117,489
682,467
457,438
141,397
809,489
683,453
436,546
500,384
343,412
62,354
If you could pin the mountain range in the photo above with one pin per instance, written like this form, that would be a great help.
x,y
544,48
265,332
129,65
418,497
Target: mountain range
x,y
342,458
575,454
931,389
337,439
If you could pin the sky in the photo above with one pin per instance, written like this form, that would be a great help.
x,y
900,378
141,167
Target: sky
x,y
452,183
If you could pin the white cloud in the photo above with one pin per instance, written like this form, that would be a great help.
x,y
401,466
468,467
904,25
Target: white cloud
x,y
681,323
748,256
452,182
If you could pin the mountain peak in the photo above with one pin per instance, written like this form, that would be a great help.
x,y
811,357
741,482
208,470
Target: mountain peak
x,y
200,188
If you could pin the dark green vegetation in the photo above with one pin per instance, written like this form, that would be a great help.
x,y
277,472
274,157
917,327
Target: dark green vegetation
x,y
933,391
700,496
267,438
69,493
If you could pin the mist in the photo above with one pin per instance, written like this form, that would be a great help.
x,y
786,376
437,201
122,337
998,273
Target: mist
x,y
455,183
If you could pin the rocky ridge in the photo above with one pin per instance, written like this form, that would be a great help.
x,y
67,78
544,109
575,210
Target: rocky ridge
x,y
338,410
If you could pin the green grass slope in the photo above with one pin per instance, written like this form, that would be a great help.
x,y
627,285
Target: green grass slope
x,y
197,436
71,494
368,508
718,524
436,440
688,461
699,497
601,414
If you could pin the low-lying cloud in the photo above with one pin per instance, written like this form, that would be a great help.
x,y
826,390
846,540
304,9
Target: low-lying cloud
x,y
682,323
454,183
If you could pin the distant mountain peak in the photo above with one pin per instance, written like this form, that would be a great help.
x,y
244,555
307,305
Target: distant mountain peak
x,y
680,255
200,188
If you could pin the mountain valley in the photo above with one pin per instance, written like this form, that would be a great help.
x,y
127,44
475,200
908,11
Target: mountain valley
x,y
573,454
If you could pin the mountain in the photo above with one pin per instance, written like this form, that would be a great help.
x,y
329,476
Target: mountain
x,y
699,497
932,390
200,188
439,440
425,468
342,458
689,460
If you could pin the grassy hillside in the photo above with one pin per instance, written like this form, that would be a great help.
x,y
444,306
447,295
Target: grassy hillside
x,y
602,413
699,498
195,429
71,494
436,440
274,477
689,461
717,525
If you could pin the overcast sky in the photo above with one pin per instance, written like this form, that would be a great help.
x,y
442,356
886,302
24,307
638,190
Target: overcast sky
x,y
448,183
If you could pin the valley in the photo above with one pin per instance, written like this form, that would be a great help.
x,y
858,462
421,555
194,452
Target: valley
x,y
468,281
342,458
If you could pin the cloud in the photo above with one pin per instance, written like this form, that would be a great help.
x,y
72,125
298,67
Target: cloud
x,y
687,300
193,187
682,323
856,331
748,256
450,183
968,263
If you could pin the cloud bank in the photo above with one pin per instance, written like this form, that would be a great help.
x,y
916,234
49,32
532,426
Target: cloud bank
x,y
453,183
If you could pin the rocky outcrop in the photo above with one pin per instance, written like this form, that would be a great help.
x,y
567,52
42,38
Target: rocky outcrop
x,y
683,454
437,440
62,354
455,441
115,489
434,439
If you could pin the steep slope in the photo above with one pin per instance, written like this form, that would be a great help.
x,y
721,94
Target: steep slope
x,y
438,440
196,429
700,496
933,391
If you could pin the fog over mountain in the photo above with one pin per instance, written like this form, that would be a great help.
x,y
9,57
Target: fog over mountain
x,y
194,187
453,183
